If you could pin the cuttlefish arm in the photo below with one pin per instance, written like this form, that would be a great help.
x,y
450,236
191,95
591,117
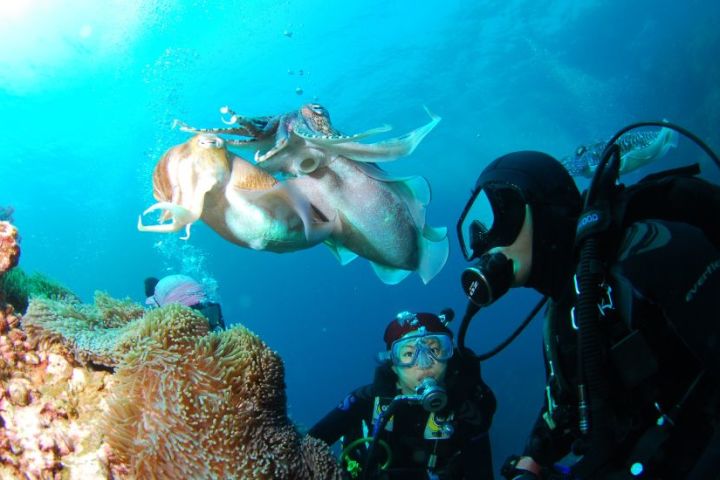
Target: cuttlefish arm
x,y
282,137
335,139
179,215
255,128
385,151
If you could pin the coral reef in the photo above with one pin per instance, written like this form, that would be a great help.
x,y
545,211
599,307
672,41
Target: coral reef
x,y
180,402
188,404
9,247
49,410
90,331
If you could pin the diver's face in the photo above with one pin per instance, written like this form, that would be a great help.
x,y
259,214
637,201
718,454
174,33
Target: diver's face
x,y
520,251
410,377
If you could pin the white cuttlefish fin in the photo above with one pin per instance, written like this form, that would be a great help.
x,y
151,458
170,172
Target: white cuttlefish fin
x,y
434,250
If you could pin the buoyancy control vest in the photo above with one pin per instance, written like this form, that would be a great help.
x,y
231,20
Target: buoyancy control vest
x,y
675,195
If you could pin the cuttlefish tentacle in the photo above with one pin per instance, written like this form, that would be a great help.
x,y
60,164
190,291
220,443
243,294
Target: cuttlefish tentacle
x,y
181,217
257,127
184,127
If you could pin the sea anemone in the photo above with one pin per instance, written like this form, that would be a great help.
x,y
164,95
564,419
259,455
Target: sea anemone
x,y
188,404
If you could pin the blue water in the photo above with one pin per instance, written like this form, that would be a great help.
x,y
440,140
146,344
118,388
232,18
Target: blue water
x,y
88,92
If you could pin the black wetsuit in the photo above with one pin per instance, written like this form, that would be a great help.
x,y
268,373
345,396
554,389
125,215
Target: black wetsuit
x,y
465,454
213,312
666,290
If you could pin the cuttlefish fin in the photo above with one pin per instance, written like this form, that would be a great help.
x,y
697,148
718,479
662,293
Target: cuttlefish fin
x,y
343,255
181,217
639,157
390,275
434,250
385,151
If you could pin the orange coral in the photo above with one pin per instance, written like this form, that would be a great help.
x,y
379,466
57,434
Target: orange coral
x,y
188,404
9,247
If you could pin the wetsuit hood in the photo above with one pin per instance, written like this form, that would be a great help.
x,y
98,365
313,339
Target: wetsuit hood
x,y
555,204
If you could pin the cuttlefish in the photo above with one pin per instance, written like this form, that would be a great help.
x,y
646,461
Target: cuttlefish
x,y
637,149
201,179
382,217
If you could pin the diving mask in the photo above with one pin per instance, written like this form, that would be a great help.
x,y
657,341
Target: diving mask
x,y
493,217
420,348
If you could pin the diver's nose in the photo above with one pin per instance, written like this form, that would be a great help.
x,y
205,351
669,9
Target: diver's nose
x,y
425,361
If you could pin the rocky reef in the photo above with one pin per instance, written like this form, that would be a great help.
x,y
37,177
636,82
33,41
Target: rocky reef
x,y
114,391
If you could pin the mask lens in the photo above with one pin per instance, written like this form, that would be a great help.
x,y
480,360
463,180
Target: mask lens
x,y
476,224
494,219
421,350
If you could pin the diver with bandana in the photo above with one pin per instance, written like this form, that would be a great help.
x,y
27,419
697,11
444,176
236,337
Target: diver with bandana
x,y
425,416
636,395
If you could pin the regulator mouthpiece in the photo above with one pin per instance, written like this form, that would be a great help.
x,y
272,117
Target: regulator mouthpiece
x,y
489,279
433,397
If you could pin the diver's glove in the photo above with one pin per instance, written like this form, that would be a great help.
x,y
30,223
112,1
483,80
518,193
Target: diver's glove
x,y
520,468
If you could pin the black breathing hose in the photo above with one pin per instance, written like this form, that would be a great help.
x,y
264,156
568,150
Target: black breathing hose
x,y
470,312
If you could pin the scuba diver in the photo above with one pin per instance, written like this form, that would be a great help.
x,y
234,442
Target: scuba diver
x,y
185,291
426,414
631,333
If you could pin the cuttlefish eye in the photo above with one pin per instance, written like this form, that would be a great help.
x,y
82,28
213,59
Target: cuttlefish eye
x,y
319,109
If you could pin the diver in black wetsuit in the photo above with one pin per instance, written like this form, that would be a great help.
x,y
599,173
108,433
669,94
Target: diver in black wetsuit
x,y
654,410
451,441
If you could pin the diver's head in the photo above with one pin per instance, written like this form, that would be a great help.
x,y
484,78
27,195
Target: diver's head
x,y
177,289
150,283
520,225
418,346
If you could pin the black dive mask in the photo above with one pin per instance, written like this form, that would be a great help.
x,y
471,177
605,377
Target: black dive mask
x,y
489,279
493,217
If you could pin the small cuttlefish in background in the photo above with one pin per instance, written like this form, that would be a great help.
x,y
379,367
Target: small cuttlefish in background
x,y
637,149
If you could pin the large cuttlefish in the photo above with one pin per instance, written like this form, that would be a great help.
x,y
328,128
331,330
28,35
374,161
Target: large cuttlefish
x,y
637,149
382,217
201,179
